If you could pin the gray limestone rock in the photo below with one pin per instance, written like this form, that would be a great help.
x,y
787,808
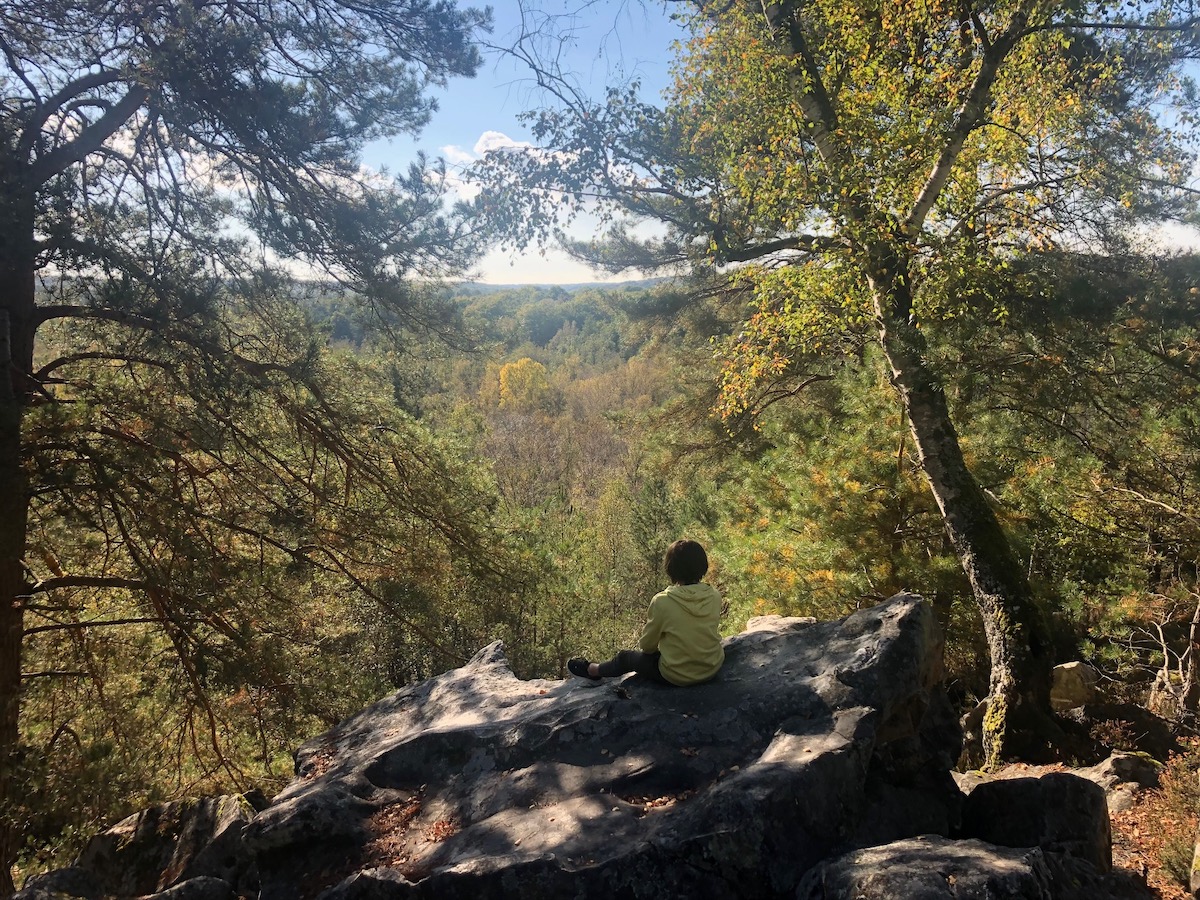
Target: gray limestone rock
x,y
1123,776
477,784
1074,684
814,739
169,843
203,887
1058,812
1124,768
931,867
194,842
69,882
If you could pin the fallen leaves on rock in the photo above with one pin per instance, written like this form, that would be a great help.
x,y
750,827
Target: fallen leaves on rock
x,y
389,832
441,829
648,804
319,763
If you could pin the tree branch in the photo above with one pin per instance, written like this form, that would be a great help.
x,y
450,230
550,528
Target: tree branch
x,y
47,107
44,372
54,674
1168,28
74,581
75,311
96,623
969,116
89,139
1157,503
806,242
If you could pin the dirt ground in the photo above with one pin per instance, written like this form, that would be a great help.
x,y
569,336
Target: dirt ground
x,y
1138,838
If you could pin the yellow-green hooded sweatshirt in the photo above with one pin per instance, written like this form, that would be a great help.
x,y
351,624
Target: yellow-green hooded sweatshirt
x,y
683,625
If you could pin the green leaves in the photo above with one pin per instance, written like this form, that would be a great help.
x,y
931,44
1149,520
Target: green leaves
x,y
802,319
238,538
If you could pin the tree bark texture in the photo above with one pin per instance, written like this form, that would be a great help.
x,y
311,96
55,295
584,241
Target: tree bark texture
x,y
13,520
1018,723
1189,693
16,349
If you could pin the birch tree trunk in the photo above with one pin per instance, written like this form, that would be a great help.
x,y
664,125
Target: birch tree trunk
x,y
1018,721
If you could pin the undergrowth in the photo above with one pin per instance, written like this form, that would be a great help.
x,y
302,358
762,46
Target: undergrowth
x,y
1180,798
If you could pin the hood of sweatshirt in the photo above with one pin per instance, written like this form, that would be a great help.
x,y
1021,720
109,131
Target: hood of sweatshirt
x,y
695,598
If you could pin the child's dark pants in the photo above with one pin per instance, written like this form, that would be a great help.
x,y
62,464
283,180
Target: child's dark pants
x,y
645,664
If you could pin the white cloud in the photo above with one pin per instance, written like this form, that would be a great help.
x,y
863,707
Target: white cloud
x,y
497,140
460,188
457,156
456,182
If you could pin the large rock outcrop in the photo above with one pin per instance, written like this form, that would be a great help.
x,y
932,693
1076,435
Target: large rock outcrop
x,y
477,784
816,739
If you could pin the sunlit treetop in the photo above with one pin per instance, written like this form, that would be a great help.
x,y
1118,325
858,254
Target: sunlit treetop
x,y
839,135
1012,123
1018,122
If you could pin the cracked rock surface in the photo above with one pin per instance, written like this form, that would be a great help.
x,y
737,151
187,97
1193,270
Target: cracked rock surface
x,y
813,737
814,740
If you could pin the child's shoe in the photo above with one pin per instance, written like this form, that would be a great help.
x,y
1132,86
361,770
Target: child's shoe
x,y
579,667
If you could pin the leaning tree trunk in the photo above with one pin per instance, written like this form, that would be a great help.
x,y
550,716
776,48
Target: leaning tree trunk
x,y
13,515
1189,691
16,358
1018,723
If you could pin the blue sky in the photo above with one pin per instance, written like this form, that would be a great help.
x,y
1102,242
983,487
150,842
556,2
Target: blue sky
x,y
599,42
603,42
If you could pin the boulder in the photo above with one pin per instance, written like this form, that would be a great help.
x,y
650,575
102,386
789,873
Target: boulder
x,y
1124,768
477,784
202,887
1123,776
163,846
1126,726
934,868
968,781
69,882
170,843
1059,812
931,867
971,725
815,740
1074,684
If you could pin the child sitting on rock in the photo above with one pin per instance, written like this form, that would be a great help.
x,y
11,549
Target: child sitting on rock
x,y
681,643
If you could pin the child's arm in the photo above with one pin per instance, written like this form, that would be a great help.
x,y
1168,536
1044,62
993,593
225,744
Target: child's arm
x,y
652,632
